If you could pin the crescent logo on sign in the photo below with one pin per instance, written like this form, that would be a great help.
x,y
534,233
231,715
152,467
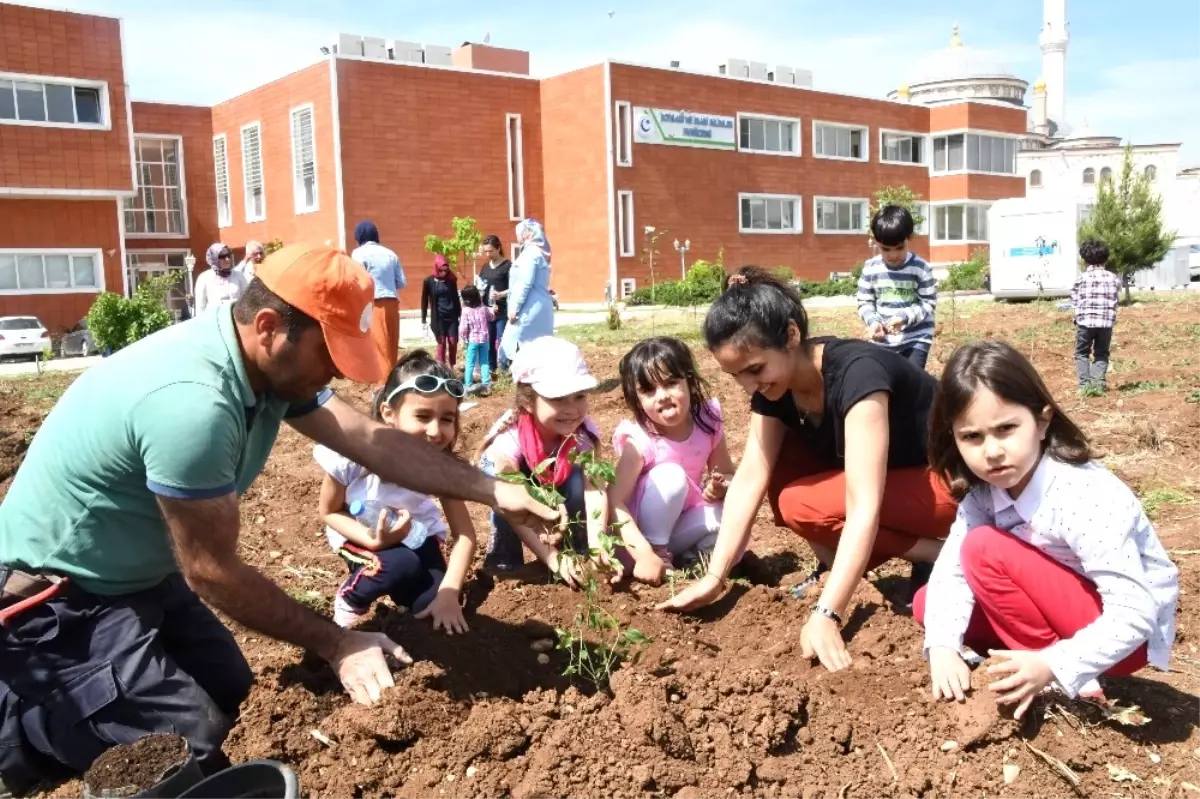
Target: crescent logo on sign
x,y
645,124
364,321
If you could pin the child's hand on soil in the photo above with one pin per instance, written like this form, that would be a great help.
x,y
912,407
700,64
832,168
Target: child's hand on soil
x,y
821,638
717,487
697,595
610,564
648,567
1027,674
446,612
565,567
876,331
396,533
949,673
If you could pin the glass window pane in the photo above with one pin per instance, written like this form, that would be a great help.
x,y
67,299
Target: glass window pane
x,y
787,214
151,150
8,272
774,215
939,154
855,143
29,272
787,134
58,271
30,104
758,214
757,141
8,102
956,152
87,106
744,133
175,221
83,270
60,103
954,228
745,214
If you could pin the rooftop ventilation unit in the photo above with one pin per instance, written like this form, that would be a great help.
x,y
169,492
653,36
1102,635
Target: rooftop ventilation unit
x,y
674,65
348,44
437,54
735,68
406,51
783,74
374,47
758,70
804,78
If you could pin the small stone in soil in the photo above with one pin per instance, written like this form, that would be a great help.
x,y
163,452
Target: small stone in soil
x,y
543,658
472,771
949,746
542,645
1011,772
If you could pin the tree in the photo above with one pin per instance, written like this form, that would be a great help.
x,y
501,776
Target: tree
x,y
1127,217
902,196
115,321
461,246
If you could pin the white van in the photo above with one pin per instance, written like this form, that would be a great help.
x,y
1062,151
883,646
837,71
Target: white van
x,y
1034,251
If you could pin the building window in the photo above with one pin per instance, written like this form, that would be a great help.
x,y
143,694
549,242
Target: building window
x,y
626,240
839,141
1083,212
769,213
1105,174
768,135
221,168
52,102
922,228
958,223
252,173
974,152
1089,176
1035,178
158,208
304,160
902,148
628,286
51,271
516,168
832,215
624,133
1151,172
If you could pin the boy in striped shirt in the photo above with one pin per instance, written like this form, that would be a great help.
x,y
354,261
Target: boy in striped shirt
x,y
897,295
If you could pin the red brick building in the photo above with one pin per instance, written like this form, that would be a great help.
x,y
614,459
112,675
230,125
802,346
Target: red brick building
x,y
98,192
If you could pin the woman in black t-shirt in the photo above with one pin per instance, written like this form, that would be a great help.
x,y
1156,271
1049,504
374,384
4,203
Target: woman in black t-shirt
x,y
838,431
493,285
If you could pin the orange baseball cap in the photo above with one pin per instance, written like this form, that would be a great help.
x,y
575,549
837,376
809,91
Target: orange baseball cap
x,y
333,288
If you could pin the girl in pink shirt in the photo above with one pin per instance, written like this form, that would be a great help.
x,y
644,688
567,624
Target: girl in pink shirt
x,y
674,465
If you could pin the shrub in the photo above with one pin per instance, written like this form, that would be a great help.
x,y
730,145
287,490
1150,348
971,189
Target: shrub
x,y
273,245
970,275
701,286
115,321
841,287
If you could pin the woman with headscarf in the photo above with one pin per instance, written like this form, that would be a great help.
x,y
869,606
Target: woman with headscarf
x,y
255,253
441,309
219,283
389,279
530,306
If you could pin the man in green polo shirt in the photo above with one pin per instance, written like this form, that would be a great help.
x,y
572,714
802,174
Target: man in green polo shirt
x,y
130,492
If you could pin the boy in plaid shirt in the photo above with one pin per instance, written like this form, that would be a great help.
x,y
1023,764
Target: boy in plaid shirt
x,y
1094,296
473,332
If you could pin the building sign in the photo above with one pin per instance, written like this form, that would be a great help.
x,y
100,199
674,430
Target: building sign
x,y
1038,251
686,128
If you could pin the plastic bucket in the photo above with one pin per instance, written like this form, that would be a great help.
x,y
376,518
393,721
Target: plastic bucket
x,y
258,779
177,780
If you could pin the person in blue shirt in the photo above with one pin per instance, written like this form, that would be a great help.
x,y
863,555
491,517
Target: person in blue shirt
x,y
385,269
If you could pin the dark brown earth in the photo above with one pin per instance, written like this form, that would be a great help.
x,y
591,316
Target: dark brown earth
x,y
132,768
721,703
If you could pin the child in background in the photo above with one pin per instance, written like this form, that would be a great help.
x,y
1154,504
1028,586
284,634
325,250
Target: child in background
x,y
897,295
473,332
421,398
1095,296
668,508
1051,565
548,425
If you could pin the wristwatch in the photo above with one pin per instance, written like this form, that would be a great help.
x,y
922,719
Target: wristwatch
x,y
827,613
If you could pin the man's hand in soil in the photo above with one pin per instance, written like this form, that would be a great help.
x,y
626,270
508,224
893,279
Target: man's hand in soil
x,y
821,638
361,666
699,594
1027,674
515,504
949,673
446,612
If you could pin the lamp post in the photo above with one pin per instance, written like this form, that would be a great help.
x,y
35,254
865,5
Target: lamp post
x,y
682,250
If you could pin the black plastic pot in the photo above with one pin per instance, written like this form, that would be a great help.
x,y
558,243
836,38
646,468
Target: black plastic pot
x,y
173,784
258,779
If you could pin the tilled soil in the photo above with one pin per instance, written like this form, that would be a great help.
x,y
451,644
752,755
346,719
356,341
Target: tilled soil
x,y
721,703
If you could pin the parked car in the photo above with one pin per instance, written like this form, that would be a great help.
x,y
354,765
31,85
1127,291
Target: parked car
x,y
1194,261
23,337
78,342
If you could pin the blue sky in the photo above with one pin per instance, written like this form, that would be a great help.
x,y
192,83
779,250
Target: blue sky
x,y
1134,74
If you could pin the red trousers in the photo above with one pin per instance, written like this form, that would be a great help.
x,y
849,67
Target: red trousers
x,y
1024,599
809,498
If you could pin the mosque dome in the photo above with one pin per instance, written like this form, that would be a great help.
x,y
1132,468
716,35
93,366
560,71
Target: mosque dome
x,y
959,72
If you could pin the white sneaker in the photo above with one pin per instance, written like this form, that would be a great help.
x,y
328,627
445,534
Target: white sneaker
x,y
344,615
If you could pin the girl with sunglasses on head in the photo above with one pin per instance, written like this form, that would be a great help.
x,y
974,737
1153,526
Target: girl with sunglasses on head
x,y
391,537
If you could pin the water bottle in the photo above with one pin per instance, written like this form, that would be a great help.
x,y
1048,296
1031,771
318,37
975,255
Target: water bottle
x,y
367,513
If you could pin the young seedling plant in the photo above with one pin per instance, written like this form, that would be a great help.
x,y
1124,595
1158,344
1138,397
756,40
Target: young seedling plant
x,y
596,642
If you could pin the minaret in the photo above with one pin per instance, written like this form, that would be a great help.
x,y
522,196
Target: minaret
x,y
1053,40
